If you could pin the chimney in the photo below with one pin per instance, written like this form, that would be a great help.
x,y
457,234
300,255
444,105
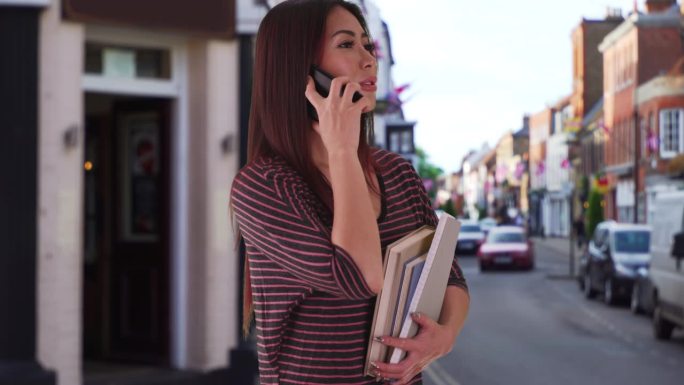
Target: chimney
x,y
613,13
526,121
659,6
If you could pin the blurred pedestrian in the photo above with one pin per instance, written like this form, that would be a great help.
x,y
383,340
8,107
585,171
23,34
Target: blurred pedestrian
x,y
312,205
580,233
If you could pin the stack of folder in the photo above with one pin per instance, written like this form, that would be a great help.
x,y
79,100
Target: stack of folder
x,y
416,270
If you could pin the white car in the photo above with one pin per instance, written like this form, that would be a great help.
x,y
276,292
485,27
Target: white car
x,y
470,238
667,263
487,224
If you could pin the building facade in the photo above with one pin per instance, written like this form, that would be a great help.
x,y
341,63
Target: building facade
x,y
541,126
661,111
557,202
643,46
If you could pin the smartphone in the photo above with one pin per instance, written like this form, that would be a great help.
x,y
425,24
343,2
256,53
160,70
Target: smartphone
x,y
322,81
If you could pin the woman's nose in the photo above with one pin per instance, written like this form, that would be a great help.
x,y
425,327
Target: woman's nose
x,y
369,59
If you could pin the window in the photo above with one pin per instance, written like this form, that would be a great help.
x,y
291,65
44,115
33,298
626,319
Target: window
x,y
127,62
400,139
506,238
632,241
671,132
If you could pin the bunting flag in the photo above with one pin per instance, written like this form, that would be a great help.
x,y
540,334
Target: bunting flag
x,y
501,173
652,142
604,127
393,101
401,88
519,170
565,164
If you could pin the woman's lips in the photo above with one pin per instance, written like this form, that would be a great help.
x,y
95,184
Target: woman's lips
x,y
369,87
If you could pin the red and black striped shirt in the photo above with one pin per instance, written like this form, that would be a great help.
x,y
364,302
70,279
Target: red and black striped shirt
x,y
312,306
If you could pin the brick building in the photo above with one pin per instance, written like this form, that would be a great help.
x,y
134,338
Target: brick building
x,y
586,152
661,111
587,64
642,47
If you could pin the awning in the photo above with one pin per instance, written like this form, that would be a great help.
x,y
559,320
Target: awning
x,y
214,18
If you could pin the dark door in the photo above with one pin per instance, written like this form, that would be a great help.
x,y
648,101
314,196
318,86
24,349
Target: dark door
x,y
126,281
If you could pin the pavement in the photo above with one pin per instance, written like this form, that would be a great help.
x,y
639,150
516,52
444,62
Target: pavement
x,y
558,250
560,245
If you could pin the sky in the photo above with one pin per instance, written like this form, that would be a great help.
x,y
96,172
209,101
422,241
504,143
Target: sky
x,y
476,67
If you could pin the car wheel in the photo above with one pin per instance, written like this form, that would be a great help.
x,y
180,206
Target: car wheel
x,y
662,328
608,295
634,303
589,292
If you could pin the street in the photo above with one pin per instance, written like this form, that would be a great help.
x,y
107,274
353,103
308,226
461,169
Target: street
x,y
537,328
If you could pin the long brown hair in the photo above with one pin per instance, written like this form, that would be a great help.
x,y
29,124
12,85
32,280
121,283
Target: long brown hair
x,y
289,42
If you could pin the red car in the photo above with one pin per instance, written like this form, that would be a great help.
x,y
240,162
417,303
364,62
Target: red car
x,y
506,246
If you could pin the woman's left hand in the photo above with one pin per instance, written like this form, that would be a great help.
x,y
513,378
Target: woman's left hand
x,y
432,342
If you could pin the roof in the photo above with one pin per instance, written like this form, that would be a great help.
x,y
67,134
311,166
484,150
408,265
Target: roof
x,y
669,18
594,113
477,156
525,131
678,68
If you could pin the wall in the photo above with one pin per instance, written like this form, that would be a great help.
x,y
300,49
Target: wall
x,y
60,186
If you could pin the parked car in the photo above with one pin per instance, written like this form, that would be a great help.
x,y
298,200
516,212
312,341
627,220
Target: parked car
x,y
487,224
667,265
642,293
506,246
611,261
470,238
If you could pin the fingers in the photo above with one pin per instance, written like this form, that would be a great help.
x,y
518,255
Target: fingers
x,y
349,89
423,321
403,371
314,97
337,84
420,352
405,344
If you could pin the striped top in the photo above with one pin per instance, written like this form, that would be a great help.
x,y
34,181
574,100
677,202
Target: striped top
x,y
312,306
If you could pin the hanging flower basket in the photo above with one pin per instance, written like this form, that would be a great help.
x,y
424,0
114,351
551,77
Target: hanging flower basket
x,y
676,166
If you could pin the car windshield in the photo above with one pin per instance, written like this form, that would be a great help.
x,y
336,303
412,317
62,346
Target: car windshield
x,y
632,241
470,229
506,238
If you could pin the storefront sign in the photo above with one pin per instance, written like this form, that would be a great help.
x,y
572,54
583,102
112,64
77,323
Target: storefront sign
x,y
206,17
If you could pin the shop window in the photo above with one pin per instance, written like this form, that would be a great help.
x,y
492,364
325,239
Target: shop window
x,y
125,62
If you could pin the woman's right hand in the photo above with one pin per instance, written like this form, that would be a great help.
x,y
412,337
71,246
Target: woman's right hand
x,y
339,119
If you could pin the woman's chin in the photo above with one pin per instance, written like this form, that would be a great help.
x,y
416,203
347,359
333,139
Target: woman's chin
x,y
370,108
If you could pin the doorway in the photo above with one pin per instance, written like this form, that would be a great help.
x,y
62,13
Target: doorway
x,y
126,229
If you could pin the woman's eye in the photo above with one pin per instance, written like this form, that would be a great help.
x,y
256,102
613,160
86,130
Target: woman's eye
x,y
370,47
346,44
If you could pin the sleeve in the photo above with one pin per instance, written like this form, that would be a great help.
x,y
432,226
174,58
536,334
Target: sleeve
x,y
274,217
456,277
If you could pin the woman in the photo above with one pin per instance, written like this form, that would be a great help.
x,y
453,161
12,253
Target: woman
x,y
313,276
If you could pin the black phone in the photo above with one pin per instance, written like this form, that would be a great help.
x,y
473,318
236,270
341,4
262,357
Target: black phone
x,y
322,81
